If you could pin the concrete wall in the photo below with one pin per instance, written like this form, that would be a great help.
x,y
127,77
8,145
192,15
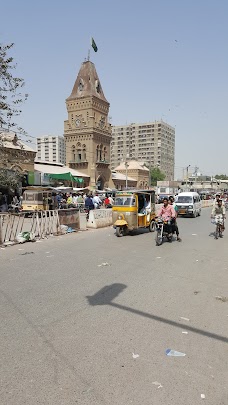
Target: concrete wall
x,y
99,218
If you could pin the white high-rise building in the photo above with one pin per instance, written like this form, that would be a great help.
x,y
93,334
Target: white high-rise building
x,y
152,143
51,149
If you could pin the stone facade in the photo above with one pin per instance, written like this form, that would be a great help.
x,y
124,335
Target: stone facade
x,y
15,154
135,170
87,131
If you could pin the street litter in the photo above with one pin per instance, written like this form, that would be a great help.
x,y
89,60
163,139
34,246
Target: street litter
x,y
157,383
202,396
21,249
184,319
197,260
135,356
158,257
184,332
103,264
27,253
23,237
223,299
194,234
70,230
174,353
196,292
50,256
8,243
63,229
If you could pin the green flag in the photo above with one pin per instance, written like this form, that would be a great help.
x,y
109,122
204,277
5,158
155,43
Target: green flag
x,y
94,46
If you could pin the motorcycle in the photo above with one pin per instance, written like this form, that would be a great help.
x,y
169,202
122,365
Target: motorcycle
x,y
162,231
218,220
14,208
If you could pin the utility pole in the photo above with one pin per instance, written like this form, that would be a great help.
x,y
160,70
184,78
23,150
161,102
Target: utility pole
x,y
126,167
149,174
187,175
196,172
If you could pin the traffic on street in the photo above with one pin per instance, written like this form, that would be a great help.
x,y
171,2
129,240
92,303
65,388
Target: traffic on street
x,y
89,318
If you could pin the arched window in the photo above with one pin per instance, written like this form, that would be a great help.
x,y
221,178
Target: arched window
x,y
100,155
84,153
73,156
105,153
79,152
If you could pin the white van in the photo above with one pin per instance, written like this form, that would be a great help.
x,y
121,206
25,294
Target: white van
x,y
188,203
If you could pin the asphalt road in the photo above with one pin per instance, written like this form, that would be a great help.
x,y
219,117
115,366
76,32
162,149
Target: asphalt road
x,y
74,331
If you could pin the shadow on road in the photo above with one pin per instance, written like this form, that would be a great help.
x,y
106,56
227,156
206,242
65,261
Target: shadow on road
x,y
110,292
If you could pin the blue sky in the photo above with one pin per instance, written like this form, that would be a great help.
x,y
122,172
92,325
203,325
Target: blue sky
x,y
156,59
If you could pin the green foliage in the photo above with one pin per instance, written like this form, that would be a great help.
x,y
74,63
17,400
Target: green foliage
x,y
156,175
11,96
9,179
221,177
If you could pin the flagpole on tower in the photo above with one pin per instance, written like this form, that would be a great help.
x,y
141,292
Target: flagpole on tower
x,y
88,58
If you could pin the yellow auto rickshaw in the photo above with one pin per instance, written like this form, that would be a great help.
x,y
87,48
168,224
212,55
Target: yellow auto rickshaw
x,y
133,210
36,199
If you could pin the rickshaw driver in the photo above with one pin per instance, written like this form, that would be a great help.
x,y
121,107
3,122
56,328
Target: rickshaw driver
x,y
147,207
141,203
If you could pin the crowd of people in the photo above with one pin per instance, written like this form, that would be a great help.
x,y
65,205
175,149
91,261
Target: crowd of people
x,y
82,200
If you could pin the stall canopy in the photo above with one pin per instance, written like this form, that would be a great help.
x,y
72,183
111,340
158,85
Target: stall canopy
x,y
66,176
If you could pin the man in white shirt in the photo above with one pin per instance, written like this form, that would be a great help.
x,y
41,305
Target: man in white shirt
x,y
97,201
75,199
111,201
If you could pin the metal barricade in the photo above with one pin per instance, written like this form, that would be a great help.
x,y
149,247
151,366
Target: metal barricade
x,y
40,224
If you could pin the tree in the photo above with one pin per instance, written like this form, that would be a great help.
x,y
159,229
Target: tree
x,y
221,177
9,179
11,94
156,175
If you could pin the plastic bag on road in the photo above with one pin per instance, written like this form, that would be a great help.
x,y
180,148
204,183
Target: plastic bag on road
x,y
23,237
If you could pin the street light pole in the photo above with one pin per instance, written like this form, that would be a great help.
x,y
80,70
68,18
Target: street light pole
x,y
126,166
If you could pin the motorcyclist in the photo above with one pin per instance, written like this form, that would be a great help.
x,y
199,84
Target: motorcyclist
x,y
174,221
167,212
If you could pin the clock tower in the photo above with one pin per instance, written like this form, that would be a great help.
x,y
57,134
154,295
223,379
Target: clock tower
x,y
87,131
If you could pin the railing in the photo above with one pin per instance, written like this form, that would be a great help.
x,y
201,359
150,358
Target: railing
x,y
79,161
102,161
39,224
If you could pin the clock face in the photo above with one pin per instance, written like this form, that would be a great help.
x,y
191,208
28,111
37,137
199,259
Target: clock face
x,y
77,122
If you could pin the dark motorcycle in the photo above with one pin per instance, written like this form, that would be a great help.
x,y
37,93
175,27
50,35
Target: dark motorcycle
x,y
14,208
163,230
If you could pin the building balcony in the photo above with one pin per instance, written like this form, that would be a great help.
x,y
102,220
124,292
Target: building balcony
x,y
78,163
102,162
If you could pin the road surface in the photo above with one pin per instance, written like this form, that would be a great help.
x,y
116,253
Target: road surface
x,y
87,318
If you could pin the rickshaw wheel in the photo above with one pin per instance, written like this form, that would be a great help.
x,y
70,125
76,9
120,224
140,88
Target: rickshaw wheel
x,y
120,231
152,226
